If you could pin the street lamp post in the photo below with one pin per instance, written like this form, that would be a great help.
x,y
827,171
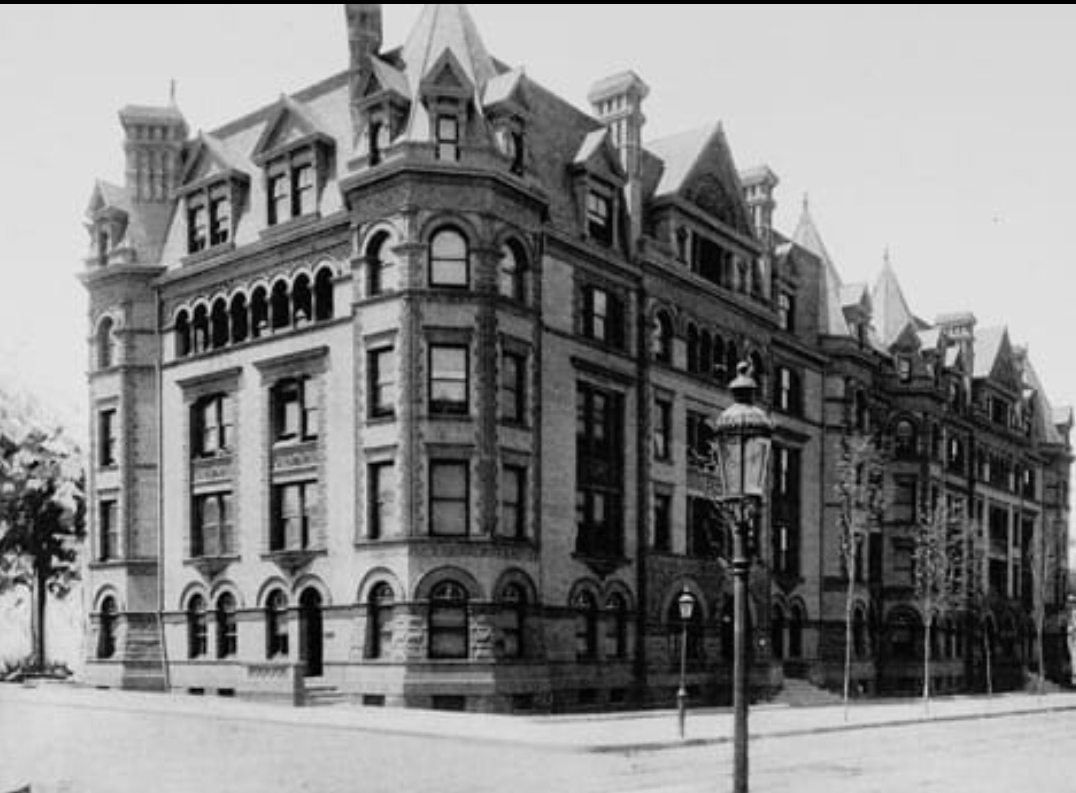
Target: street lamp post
x,y
743,437
687,611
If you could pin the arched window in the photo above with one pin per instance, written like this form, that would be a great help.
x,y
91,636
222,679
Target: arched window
x,y
183,335
905,439
106,631
674,619
220,333
197,629
860,640
107,349
616,637
450,260
512,273
513,625
240,319
381,613
663,338
586,626
277,644
382,271
259,313
692,349
862,415
732,362
324,299
758,372
227,627
201,330
449,626
717,365
706,353
302,301
280,307
777,633
797,622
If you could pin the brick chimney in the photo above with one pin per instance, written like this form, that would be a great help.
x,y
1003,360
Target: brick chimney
x,y
618,103
759,185
366,35
155,137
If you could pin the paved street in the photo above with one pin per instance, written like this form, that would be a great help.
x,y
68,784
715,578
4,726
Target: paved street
x,y
88,742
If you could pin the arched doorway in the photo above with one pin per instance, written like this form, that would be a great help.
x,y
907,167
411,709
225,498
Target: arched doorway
x,y
312,633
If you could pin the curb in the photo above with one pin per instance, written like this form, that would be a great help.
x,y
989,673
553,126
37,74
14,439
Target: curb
x,y
724,740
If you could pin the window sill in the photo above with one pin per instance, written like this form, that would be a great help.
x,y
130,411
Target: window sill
x,y
208,255
293,562
211,567
121,564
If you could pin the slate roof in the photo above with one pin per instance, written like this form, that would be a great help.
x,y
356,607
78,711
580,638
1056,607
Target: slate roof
x,y
892,315
989,342
679,155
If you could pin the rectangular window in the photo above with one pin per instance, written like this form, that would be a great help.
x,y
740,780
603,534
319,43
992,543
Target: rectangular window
x,y
663,523
448,138
212,426
600,453
600,219
786,312
382,385
449,380
106,438
294,510
197,227
663,426
450,488
789,397
700,437
787,490
213,532
279,198
382,500
513,395
295,412
304,190
514,503
220,220
109,531
706,536
603,317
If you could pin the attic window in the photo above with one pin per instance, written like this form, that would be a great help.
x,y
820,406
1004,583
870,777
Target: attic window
x,y
104,247
512,144
292,188
197,225
600,218
448,138
786,312
220,218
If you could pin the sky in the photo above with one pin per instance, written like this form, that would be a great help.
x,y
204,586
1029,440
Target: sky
x,y
944,134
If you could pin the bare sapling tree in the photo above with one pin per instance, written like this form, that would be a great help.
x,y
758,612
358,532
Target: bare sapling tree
x,y
938,577
861,503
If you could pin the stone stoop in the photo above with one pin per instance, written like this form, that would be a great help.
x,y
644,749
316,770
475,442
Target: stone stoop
x,y
802,694
323,696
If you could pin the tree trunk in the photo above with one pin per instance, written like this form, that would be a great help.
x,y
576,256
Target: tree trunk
x,y
1042,655
40,607
989,665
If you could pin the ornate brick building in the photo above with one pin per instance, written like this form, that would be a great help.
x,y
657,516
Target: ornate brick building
x,y
399,385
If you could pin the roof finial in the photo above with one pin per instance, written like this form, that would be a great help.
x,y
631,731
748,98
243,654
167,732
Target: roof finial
x,y
806,203
888,258
173,90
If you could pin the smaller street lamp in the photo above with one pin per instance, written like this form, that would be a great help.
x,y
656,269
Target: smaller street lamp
x,y
687,611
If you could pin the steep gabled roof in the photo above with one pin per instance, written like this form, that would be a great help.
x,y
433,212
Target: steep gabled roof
x,y
107,196
990,345
831,311
808,237
698,167
504,88
892,315
210,156
1045,413
389,78
447,27
290,119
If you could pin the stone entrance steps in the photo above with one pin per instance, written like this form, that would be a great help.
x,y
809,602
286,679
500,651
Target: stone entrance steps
x,y
320,695
802,694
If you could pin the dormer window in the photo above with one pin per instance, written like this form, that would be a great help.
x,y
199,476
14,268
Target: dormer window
x,y
600,218
104,247
220,217
511,142
377,132
292,188
198,225
448,138
786,312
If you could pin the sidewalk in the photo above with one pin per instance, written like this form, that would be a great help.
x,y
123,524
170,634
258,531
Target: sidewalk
x,y
607,734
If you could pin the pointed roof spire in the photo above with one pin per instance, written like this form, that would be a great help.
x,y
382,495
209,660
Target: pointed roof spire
x,y
892,315
807,235
447,27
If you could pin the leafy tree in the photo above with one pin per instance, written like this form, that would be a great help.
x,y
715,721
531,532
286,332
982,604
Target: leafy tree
x,y
861,503
42,523
938,558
